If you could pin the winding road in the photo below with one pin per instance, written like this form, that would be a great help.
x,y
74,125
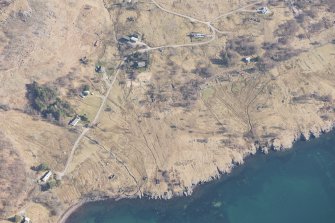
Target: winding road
x,y
110,87
95,120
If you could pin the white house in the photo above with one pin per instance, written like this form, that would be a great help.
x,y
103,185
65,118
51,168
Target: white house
x,y
197,35
46,177
247,59
263,10
133,39
75,121
141,64
27,220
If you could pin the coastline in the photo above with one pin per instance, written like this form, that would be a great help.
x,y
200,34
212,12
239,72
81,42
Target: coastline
x,y
276,146
71,210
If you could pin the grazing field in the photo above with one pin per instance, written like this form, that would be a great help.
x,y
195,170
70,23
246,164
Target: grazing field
x,y
152,97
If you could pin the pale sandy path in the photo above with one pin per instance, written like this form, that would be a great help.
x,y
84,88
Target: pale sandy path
x,y
97,116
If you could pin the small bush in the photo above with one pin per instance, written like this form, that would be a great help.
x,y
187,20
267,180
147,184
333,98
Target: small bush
x,y
228,58
289,28
4,107
42,167
265,64
243,45
204,72
17,219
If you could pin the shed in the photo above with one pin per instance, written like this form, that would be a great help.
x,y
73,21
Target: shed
x,y
75,121
140,64
133,39
263,10
247,59
26,220
46,177
197,35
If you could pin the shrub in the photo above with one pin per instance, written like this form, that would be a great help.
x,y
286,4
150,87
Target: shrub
x,y
4,107
84,118
51,184
265,64
289,28
281,54
316,27
243,45
86,87
205,72
228,58
42,167
300,18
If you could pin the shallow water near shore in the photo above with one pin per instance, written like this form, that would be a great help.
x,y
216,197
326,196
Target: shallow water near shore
x,y
292,186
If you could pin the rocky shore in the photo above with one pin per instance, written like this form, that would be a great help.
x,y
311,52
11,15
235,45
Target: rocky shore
x,y
277,145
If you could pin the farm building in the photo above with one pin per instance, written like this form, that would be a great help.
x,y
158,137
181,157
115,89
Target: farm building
x,y
75,121
46,176
263,10
140,64
197,35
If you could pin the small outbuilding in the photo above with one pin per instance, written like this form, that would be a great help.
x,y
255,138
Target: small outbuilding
x,y
26,220
133,39
99,69
46,177
140,64
263,10
75,121
197,35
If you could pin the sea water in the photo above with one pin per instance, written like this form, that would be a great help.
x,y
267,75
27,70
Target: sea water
x,y
295,186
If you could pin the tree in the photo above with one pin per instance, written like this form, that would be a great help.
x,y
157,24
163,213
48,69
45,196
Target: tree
x,y
243,45
205,72
86,87
45,100
228,58
289,28
84,118
17,218
42,167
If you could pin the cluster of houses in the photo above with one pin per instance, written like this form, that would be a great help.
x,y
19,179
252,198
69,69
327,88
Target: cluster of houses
x,y
138,60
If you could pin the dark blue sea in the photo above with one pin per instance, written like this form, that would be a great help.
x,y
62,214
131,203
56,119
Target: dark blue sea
x,y
295,186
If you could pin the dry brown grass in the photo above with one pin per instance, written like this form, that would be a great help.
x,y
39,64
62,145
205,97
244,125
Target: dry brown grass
x,y
182,121
13,177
